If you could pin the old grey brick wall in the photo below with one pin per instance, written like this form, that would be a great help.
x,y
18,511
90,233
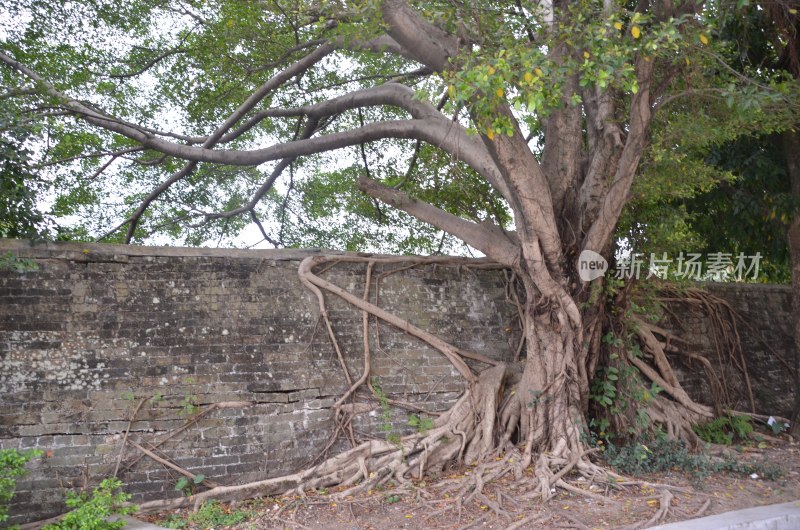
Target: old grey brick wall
x,y
765,330
99,330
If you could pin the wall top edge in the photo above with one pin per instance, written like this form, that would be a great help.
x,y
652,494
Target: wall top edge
x,y
119,252
27,249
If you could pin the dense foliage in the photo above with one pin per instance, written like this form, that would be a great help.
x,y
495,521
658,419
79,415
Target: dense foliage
x,y
716,177
184,67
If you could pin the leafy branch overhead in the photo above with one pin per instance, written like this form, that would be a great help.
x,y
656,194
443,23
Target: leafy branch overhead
x,y
223,93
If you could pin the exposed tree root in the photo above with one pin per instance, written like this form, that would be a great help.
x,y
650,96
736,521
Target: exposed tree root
x,y
511,418
669,405
575,521
477,430
680,412
532,520
459,432
699,513
183,428
170,465
664,503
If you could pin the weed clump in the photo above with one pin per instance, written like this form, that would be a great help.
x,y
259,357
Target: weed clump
x,y
661,454
212,514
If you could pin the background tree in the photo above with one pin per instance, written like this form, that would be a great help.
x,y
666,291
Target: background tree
x,y
180,118
19,213
743,195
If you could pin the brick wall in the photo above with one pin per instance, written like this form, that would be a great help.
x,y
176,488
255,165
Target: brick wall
x,y
99,330
765,332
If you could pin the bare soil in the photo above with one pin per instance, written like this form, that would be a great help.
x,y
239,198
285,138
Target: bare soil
x,y
431,507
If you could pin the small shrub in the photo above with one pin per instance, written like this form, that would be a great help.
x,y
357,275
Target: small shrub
x,y
421,423
212,514
662,454
12,467
186,486
724,429
656,455
386,413
391,499
777,426
91,512
174,521
189,406
764,469
19,265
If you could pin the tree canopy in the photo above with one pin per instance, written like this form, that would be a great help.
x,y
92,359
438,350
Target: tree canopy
x,y
187,70
732,192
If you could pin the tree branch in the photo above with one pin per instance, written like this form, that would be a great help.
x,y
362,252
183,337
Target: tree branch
x,y
111,160
395,94
519,177
423,41
380,44
16,92
257,222
486,237
430,126
149,64
605,139
113,154
310,128
617,194
286,54
561,158
273,83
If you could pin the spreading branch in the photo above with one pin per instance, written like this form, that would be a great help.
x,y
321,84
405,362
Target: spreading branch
x,y
486,237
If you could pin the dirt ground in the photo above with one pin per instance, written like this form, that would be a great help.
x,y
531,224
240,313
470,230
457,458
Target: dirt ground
x,y
632,506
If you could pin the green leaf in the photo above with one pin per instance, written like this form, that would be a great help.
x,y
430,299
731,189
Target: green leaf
x,y
181,484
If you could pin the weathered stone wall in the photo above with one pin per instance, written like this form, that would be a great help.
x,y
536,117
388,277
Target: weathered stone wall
x,y
765,332
101,331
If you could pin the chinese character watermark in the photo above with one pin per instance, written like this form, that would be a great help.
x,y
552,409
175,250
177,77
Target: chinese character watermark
x,y
716,266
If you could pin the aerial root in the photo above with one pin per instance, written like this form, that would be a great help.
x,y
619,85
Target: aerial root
x,y
477,430
726,340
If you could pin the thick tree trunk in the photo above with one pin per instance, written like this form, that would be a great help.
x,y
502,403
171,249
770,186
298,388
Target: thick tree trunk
x,y
548,392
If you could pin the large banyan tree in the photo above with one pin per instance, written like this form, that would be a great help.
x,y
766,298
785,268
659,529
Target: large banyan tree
x,y
515,127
